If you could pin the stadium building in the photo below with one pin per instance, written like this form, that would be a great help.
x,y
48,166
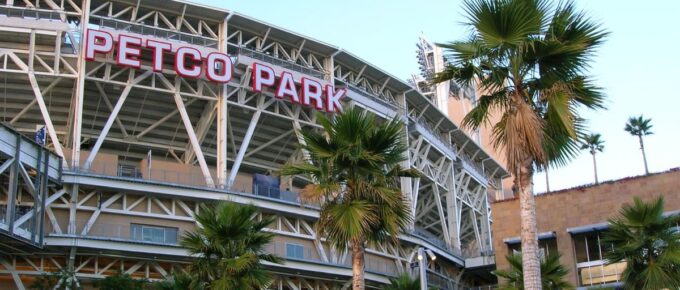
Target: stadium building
x,y
121,117
576,235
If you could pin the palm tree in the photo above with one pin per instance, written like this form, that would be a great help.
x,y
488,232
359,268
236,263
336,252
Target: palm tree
x,y
552,274
122,281
403,282
646,240
593,143
178,280
64,279
529,58
639,126
229,245
355,167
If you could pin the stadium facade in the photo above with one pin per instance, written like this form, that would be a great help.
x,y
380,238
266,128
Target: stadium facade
x,y
147,108
576,235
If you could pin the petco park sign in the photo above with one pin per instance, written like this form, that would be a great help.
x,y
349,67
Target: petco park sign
x,y
217,67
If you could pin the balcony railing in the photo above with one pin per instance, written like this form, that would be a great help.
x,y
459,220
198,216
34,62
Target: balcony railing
x,y
122,232
372,264
153,31
289,65
111,231
380,98
35,14
473,167
186,178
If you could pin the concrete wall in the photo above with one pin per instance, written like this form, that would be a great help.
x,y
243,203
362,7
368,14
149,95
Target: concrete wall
x,y
104,163
558,211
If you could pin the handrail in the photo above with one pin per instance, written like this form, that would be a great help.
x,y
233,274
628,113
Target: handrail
x,y
142,29
280,62
372,96
190,178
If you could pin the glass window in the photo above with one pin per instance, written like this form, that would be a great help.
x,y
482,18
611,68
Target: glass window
x,y
588,247
591,267
295,251
545,247
155,234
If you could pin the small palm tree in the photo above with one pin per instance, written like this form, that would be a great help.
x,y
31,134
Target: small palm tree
x,y
61,280
122,281
403,282
355,167
529,58
178,280
639,126
229,245
553,274
648,243
593,143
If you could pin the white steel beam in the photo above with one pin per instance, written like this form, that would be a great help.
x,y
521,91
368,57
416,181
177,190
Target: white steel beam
x,y
202,127
45,114
194,140
34,101
222,115
79,93
162,120
244,148
109,122
452,209
14,273
105,97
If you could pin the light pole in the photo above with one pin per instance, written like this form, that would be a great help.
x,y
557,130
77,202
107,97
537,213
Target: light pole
x,y
422,265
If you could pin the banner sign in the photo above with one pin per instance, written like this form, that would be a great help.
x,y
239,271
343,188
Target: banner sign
x,y
189,62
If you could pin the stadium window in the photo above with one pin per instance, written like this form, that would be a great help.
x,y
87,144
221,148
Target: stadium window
x,y
591,266
545,247
155,234
295,251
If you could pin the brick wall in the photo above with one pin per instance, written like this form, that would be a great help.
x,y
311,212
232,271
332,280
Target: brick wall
x,y
558,211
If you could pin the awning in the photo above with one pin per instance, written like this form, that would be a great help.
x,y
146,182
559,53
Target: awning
x,y
588,228
541,236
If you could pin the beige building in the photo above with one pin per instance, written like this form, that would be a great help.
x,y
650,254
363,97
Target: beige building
x,y
570,222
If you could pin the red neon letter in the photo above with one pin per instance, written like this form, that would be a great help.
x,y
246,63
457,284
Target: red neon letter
x,y
263,76
128,51
287,87
333,99
181,68
158,48
214,60
311,89
97,41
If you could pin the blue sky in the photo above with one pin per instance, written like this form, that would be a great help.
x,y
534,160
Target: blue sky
x,y
637,66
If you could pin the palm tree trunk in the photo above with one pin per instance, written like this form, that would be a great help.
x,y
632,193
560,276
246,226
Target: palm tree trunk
x,y
530,260
644,156
357,266
595,168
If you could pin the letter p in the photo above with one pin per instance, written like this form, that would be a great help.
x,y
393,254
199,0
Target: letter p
x,y
97,42
262,76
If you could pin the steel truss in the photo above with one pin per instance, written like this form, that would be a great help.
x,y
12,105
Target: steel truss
x,y
96,109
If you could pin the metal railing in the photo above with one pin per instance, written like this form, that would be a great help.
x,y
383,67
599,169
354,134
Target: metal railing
x,y
372,264
472,165
123,232
382,99
439,136
33,13
185,178
276,193
142,29
109,231
289,65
